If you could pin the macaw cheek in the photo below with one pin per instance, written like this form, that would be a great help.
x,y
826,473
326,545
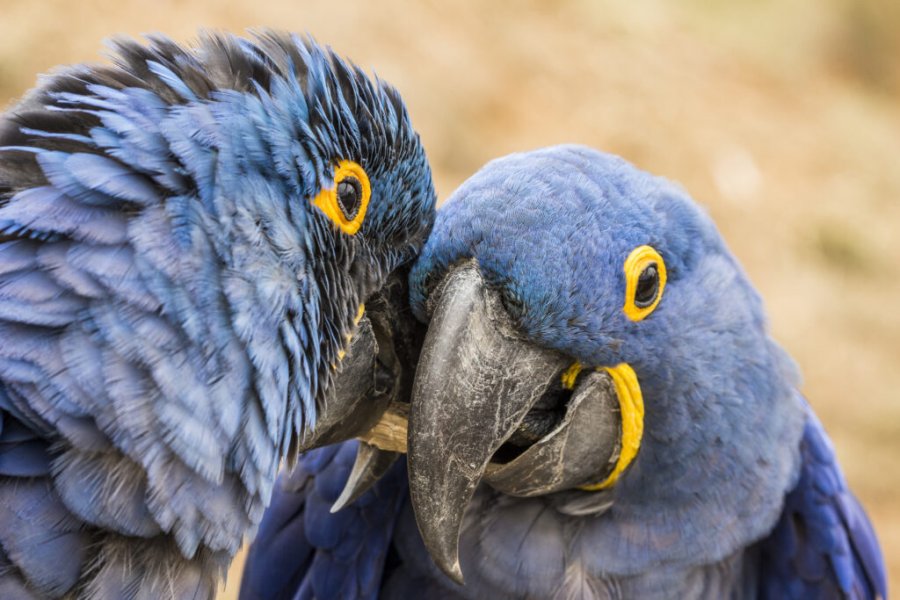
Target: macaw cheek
x,y
581,450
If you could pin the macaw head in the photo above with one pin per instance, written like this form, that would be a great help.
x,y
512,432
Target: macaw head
x,y
281,165
369,212
354,203
592,341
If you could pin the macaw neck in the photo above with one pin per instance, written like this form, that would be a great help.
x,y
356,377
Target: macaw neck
x,y
719,453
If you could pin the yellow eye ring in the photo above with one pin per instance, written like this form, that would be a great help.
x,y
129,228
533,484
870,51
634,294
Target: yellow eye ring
x,y
645,280
360,191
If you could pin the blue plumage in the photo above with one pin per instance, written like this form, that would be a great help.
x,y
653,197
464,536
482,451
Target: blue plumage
x,y
305,551
735,491
823,545
172,301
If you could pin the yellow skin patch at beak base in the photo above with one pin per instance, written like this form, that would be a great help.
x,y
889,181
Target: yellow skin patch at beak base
x,y
570,375
631,406
359,315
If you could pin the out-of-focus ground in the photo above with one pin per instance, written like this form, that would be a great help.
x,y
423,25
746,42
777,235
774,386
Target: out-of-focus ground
x,y
782,118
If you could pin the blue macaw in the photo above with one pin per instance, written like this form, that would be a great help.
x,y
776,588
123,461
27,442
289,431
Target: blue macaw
x,y
187,240
598,412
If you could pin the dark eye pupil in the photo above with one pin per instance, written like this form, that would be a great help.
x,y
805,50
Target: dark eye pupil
x,y
349,196
647,286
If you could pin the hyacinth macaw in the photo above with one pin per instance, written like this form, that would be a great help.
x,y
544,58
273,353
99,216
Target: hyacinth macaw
x,y
187,239
598,412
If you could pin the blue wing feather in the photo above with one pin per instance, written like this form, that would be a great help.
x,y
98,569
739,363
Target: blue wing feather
x,y
302,550
39,537
824,544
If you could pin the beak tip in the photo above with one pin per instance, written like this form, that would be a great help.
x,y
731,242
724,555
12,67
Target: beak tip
x,y
338,504
370,465
454,572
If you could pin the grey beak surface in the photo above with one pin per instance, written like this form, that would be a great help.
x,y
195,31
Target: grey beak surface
x,y
370,464
353,404
376,370
581,450
475,382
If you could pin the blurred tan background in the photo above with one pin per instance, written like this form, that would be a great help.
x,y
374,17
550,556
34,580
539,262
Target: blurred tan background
x,y
782,118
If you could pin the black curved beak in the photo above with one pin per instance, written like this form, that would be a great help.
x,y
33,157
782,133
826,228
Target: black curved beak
x,y
376,370
357,398
488,405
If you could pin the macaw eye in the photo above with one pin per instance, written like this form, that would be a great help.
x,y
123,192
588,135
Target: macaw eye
x,y
645,280
349,196
647,286
346,201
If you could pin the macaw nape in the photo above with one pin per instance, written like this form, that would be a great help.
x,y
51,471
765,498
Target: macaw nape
x,y
188,239
598,412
